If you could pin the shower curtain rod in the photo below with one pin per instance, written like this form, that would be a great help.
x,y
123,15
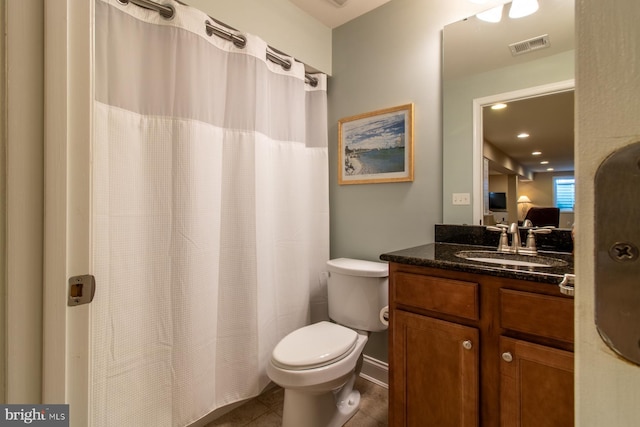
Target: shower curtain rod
x,y
167,12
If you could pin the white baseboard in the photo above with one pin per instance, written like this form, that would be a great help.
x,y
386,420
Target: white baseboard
x,y
375,371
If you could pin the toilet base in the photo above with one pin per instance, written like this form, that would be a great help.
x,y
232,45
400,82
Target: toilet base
x,y
328,409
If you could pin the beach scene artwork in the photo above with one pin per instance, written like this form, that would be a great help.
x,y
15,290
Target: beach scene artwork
x,y
376,147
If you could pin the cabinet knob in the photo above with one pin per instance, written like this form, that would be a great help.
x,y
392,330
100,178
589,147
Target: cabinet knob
x,y
507,356
467,344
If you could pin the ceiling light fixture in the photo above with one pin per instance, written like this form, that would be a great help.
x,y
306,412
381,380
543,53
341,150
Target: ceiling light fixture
x,y
523,135
536,153
492,15
549,169
544,162
522,8
498,106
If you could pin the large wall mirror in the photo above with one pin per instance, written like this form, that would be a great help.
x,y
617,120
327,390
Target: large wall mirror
x,y
527,64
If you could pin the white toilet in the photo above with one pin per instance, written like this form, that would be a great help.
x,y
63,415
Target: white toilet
x,y
317,365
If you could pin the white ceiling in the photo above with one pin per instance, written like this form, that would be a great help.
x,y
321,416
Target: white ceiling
x,y
332,14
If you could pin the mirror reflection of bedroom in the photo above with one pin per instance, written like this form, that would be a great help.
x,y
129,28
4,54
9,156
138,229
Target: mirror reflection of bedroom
x,y
528,161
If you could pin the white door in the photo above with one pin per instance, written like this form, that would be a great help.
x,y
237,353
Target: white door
x,y
68,135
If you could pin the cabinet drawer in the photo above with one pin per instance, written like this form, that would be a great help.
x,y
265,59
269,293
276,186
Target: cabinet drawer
x,y
537,314
445,296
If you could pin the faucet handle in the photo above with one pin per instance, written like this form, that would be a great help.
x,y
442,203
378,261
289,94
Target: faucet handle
x,y
542,230
530,247
503,246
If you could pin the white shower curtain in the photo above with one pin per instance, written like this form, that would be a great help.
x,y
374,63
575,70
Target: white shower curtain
x,y
210,214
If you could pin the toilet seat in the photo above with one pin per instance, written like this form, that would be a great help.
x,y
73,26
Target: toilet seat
x,y
314,346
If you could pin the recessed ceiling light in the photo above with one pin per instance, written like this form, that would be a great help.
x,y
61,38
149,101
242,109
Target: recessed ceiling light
x,y
549,169
544,162
536,153
498,106
523,135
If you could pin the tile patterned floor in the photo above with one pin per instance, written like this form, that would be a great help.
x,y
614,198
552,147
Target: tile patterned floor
x,y
266,409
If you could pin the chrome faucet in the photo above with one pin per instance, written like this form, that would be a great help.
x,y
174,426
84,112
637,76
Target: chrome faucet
x,y
516,244
515,238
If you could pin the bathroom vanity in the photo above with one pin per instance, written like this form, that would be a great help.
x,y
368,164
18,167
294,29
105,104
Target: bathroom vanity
x,y
478,344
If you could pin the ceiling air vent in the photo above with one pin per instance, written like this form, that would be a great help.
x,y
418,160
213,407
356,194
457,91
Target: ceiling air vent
x,y
530,45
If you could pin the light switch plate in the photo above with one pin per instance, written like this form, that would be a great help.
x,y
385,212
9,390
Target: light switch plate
x,y
461,199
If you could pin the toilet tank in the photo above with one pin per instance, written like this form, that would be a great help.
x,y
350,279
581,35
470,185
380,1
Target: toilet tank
x,y
358,290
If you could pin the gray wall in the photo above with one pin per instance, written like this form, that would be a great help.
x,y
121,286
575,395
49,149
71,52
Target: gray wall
x,y
389,57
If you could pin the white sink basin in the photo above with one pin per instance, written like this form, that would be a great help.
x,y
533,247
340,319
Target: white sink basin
x,y
517,260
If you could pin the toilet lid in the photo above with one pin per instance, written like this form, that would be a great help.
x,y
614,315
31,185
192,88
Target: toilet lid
x,y
313,346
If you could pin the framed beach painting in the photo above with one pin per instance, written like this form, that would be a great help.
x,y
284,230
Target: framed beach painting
x,y
376,147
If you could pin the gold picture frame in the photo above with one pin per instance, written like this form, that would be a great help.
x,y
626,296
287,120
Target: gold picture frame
x,y
376,147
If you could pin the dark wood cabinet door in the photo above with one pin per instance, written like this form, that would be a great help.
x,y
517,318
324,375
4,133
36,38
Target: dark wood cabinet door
x,y
433,372
536,385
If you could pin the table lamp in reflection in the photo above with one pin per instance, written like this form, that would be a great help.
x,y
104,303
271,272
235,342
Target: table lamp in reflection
x,y
523,202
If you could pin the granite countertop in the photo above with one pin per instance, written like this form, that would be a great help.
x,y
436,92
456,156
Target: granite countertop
x,y
443,255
